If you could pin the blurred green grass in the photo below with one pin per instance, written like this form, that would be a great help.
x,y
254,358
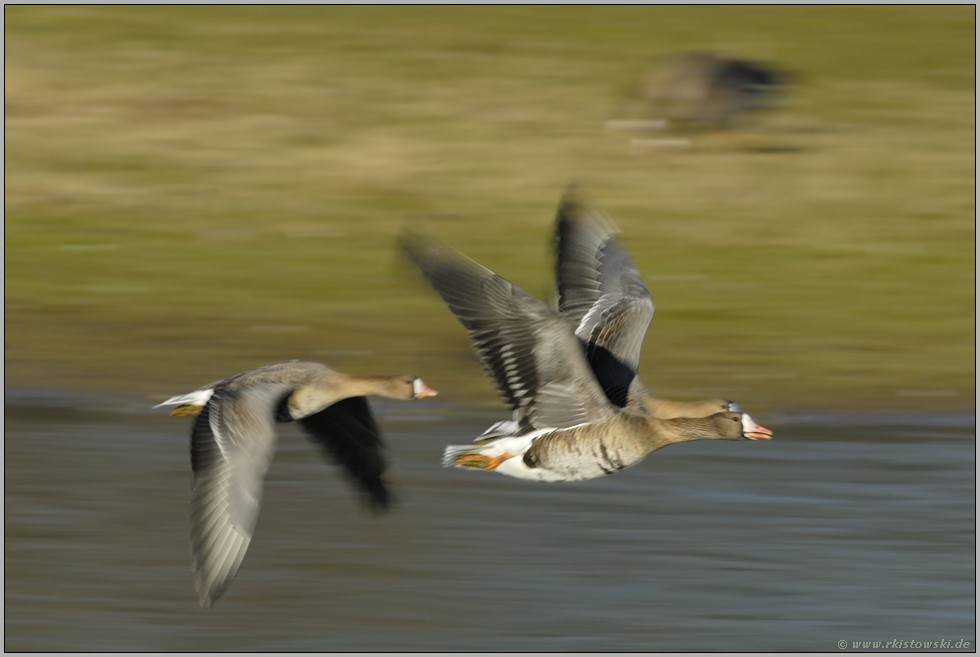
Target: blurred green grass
x,y
194,191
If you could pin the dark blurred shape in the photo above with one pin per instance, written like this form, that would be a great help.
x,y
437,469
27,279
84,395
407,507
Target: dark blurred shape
x,y
708,91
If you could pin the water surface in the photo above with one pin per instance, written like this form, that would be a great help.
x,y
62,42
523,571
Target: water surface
x,y
843,528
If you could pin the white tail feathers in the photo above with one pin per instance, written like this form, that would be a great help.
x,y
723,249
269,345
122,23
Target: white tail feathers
x,y
453,452
196,398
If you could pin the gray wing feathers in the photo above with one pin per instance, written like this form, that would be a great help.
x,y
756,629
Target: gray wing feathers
x,y
231,447
599,286
618,324
524,346
496,313
557,407
581,234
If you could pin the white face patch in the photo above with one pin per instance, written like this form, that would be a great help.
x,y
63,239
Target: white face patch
x,y
747,423
421,390
753,431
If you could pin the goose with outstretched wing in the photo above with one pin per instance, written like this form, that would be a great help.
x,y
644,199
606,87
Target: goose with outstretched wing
x,y
233,439
564,425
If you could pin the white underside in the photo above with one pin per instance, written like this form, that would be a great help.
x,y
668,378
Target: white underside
x,y
516,446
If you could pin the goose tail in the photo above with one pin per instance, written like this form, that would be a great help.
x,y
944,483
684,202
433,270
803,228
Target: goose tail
x,y
195,399
465,456
454,452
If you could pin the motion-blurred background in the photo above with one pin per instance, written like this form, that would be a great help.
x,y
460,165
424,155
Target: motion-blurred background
x,y
190,192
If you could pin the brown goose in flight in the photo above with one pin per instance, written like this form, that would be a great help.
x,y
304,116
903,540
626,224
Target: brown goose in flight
x,y
233,440
712,91
575,416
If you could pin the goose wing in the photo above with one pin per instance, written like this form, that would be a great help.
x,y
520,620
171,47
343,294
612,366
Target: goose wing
x,y
349,435
602,294
232,442
527,349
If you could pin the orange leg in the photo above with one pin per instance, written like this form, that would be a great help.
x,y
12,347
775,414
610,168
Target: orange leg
x,y
481,461
497,460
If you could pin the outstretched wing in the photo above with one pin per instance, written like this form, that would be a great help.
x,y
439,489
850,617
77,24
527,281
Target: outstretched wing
x,y
527,349
601,292
232,442
349,435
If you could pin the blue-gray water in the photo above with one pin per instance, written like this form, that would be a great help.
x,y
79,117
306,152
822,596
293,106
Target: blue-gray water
x,y
840,529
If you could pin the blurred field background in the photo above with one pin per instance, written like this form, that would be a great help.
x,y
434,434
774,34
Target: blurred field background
x,y
195,191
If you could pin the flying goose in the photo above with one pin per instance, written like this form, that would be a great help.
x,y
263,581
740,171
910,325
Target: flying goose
x,y
565,426
602,295
712,91
233,438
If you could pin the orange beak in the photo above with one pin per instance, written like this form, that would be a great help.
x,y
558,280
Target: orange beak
x,y
422,390
755,431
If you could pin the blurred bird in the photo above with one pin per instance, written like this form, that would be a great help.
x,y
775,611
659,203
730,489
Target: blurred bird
x,y
601,294
233,439
569,376
711,91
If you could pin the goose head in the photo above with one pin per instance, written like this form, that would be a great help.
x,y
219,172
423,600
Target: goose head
x,y
739,426
407,387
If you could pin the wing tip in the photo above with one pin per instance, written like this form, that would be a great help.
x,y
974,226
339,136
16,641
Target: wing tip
x,y
576,207
379,498
433,257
